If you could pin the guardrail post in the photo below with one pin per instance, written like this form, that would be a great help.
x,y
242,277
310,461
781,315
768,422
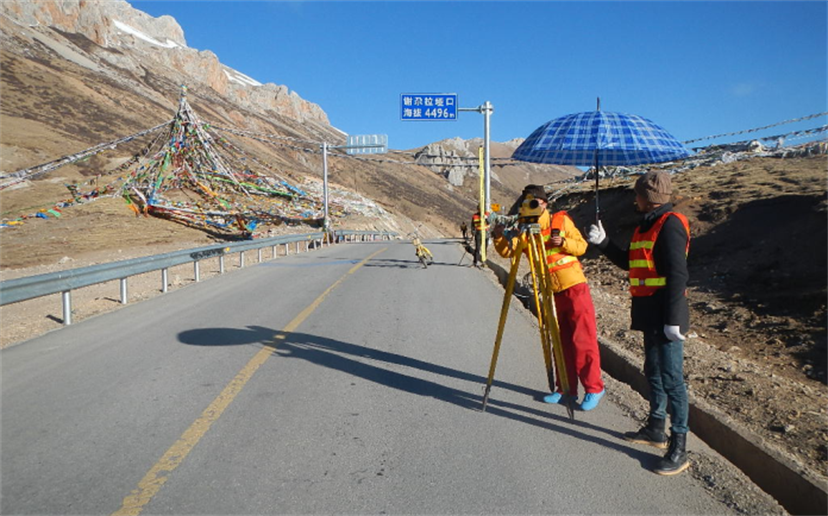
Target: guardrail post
x,y
196,271
124,294
241,260
67,307
260,255
297,247
164,281
273,252
287,249
221,264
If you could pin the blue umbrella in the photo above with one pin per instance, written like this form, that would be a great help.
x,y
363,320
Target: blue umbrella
x,y
600,137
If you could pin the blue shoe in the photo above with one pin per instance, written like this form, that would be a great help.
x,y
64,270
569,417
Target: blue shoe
x,y
591,400
555,397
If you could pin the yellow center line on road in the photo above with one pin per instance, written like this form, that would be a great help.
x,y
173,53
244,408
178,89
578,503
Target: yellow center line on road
x,y
157,476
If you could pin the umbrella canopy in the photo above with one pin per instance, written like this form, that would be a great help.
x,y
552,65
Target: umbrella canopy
x,y
602,138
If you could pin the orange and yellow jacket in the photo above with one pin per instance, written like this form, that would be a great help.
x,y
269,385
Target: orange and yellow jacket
x,y
564,267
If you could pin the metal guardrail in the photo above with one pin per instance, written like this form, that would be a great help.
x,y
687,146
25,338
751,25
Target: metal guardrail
x,y
63,282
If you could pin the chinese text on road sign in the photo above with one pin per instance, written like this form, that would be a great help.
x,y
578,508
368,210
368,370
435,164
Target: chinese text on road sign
x,y
428,106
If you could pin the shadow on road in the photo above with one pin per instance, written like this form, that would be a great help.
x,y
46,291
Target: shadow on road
x,y
413,263
355,360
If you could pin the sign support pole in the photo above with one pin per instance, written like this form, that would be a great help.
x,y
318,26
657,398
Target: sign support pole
x,y
486,166
487,155
486,109
325,185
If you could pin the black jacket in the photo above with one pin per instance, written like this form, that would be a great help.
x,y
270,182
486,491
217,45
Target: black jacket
x,y
668,306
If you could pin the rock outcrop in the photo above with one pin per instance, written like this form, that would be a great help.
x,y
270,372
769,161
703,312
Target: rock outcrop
x,y
444,161
142,41
96,19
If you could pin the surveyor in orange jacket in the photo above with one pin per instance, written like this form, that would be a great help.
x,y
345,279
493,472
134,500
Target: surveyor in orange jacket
x,y
573,303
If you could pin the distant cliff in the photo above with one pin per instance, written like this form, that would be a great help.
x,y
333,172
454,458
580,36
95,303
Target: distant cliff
x,y
135,38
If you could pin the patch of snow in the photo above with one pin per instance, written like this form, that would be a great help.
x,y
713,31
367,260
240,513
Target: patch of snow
x,y
240,78
140,35
249,80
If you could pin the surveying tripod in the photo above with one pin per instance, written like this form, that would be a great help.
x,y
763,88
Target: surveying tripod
x,y
530,240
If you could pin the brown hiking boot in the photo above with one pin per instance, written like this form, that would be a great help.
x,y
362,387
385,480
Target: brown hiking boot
x,y
652,435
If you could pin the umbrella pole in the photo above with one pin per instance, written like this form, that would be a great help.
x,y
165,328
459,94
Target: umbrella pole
x,y
597,209
595,165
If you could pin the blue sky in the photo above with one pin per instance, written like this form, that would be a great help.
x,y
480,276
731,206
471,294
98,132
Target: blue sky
x,y
696,68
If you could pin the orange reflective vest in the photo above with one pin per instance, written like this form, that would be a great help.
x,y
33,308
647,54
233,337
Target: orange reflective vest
x,y
556,258
480,223
644,278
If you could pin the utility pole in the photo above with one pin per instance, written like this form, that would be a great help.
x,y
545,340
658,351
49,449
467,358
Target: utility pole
x,y
376,144
486,109
486,167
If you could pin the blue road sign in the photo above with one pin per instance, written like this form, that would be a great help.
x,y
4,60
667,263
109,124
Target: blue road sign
x,y
428,106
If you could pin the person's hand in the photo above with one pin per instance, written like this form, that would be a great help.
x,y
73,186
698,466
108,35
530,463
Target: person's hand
x,y
673,333
596,234
556,240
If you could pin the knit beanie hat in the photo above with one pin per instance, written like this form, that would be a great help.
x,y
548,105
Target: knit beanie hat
x,y
654,186
537,192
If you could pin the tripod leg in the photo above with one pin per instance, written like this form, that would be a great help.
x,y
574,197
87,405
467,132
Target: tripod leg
x,y
551,317
504,311
538,287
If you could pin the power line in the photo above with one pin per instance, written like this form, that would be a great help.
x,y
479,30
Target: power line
x,y
809,117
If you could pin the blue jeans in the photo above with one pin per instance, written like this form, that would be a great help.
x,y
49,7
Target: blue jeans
x,y
664,369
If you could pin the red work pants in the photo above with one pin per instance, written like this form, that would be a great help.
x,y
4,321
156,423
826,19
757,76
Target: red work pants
x,y
576,319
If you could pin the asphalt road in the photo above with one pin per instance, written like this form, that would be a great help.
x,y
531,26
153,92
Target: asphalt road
x,y
314,383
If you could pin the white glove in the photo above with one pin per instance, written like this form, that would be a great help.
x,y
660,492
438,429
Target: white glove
x,y
596,234
673,333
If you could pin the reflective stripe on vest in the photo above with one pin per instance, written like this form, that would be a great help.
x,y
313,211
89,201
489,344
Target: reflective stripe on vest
x,y
649,282
556,258
644,278
478,223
